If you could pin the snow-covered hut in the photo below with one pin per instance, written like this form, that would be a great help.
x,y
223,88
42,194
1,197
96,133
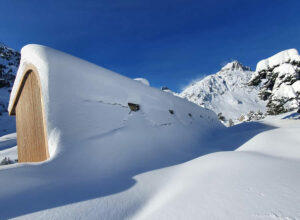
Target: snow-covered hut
x,y
65,106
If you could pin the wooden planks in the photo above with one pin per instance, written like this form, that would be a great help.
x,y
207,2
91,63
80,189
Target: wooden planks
x,y
31,130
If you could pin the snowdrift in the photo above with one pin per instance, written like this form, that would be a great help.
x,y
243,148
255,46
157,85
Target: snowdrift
x,y
96,143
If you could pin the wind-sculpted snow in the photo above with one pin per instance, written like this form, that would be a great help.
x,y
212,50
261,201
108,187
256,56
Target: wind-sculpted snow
x,y
258,181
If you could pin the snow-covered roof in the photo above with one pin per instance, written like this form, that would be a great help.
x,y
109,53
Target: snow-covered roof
x,y
84,101
277,59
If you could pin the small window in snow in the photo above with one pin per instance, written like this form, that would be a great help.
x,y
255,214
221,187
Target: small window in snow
x,y
134,107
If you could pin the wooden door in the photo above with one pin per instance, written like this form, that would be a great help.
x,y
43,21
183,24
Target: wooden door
x,y
31,130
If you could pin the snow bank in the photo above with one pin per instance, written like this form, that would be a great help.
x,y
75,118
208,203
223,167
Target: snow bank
x,y
259,181
279,58
232,185
282,142
96,143
8,141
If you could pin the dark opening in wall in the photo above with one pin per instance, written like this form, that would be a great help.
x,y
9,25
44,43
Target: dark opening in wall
x,y
134,107
171,111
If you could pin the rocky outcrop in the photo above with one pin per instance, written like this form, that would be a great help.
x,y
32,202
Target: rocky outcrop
x,y
9,63
279,81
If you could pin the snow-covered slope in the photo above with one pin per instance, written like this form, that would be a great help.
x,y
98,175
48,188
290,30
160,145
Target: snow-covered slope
x,y
279,79
258,181
9,62
226,92
8,148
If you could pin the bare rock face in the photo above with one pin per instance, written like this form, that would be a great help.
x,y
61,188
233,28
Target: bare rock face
x,y
279,80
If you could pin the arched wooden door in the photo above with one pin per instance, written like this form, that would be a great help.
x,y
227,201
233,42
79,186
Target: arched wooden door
x,y
31,131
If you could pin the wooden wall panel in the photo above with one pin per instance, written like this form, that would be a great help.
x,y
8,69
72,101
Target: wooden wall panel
x,y
31,132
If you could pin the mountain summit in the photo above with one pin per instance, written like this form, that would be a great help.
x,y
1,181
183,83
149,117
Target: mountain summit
x,y
235,66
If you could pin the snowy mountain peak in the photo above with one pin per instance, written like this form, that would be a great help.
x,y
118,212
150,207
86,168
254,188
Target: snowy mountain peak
x,y
226,92
235,66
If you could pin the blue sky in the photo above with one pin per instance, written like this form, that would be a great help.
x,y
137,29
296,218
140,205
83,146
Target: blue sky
x,y
169,42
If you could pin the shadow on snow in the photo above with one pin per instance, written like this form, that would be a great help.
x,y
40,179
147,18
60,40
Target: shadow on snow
x,y
25,197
